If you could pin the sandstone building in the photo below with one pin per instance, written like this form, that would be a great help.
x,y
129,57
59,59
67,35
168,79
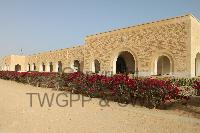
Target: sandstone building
x,y
165,47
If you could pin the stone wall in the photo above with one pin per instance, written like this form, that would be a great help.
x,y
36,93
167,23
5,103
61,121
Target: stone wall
x,y
195,43
66,56
146,43
5,63
177,38
8,63
17,60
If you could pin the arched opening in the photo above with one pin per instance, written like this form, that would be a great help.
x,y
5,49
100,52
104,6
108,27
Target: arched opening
x,y
59,66
17,68
29,68
97,66
163,65
43,67
34,67
125,63
77,65
51,67
121,65
197,65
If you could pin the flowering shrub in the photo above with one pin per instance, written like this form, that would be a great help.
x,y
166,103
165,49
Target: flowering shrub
x,y
43,79
197,87
184,81
120,88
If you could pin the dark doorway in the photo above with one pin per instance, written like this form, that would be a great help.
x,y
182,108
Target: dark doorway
x,y
43,67
17,68
51,66
97,66
29,67
125,63
77,65
34,67
59,66
121,65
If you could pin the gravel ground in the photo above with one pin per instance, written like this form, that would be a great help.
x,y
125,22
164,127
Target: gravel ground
x,y
17,116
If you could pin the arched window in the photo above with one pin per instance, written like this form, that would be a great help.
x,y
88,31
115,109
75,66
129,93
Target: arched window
x,y
29,67
97,66
17,68
163,65
43,67
34,67
197,65
77,65
59,66
51,67
125,63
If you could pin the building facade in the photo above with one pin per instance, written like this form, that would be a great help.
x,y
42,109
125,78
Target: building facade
x,y
165,47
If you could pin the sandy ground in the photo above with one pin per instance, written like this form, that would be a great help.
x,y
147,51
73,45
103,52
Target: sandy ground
x,y
16,115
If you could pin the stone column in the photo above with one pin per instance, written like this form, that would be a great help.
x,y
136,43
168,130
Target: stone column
x,y
32,67
93,67
55,67
40,68
47,65
27,68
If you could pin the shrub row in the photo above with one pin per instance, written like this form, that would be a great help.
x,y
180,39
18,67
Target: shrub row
x,y
39,79
196,86
120,88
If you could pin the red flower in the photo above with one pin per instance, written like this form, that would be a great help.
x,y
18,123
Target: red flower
x,y
90,90
196,85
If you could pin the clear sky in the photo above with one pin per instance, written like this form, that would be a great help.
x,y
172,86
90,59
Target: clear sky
x,y
41,25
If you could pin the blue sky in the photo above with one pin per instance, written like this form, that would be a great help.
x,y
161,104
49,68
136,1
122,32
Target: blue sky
x,y
41,25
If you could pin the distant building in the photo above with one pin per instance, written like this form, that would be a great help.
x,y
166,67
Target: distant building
x,y
165,47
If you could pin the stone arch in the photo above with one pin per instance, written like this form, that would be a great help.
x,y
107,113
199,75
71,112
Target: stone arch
x,y
34,67
197,65
96,66
60,65
124,61
77,65
43,67
50,67
162,64
17,68
29,67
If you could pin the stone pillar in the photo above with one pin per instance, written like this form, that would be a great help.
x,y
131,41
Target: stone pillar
x,y
55,67
40,68
32,67
47,65
6,68
93,67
